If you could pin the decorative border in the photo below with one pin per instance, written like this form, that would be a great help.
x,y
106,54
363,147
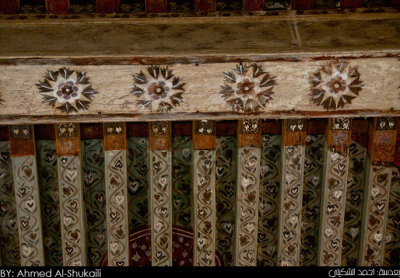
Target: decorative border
x,y
247,204
313,173
333,209
290,210
161,210
95,200
204,207
28,211
10,255
117,208
72,214
353,211
270,184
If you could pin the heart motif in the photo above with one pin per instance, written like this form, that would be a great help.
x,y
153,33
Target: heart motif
x,y
334,156
249,227
99,197
100,238
375,192
162,182
378,237
380,206
293,220
330,209
159,254
120,263
118,164
315,180
118,129
328,232
30,205
73,204
134,186
120,199
71,174
220,171
68,220
26,250
353,232
294,191
113,215
28,172
337,194
69,250
114,247
286,234
75,235
341,167
228,228
22,191
24,223
201,242
334,244
158,226
3,208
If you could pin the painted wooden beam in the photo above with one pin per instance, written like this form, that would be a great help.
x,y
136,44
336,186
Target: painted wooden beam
x,y
156,6
381,149
302,4
205,5
107,6
350,4
204,192
9,6
291,192
72,209
333,196
253,5
22,148
355,193
116,194
57,6
160,193
247,192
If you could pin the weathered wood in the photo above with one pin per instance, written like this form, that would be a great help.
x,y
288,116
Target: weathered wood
x,y
57,6
336,168
253,5
302,4
116,194
204,5
204,193
72,208
161,193
156,6
9,6
107,6
22,149
291,192
247,193
381,148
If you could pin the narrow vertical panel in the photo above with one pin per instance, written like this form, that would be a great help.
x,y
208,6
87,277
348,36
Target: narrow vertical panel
x,y
50,203
291,193
156,6
26,188
247,194
333,196
253,5
313,170
204,192
107,6
392,246
205,5
226,156
381,148
116,194
57,6
95,199
161,193
9,6
9,242
72,208
270,184
302,4
353,210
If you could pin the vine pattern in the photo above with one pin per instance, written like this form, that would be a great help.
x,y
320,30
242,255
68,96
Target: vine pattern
x,y
374,241
270,184
313,171
28,211
118,238
161,239
247,206
392,249
333,209
9,241
226,161
49,198
71,210
290,199
204,207
93,170
354,197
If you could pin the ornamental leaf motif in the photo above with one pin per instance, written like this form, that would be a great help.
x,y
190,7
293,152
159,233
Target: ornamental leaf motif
x,y
67,90
247,88
158,89
335,84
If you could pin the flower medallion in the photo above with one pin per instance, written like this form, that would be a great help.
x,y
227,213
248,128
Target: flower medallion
x,y
335,85
159,89
247,88
67,90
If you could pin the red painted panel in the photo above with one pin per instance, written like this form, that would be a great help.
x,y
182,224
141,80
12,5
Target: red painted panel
x,y
9,6
302,4
205,5
57,6
253,5
350,4
107,6
156,6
